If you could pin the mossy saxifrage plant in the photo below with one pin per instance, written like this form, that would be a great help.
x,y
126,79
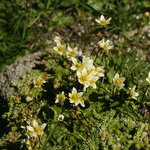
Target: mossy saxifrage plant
x,y
77,91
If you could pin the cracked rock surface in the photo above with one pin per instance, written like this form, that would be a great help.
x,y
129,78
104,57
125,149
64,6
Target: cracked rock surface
x,y
14,72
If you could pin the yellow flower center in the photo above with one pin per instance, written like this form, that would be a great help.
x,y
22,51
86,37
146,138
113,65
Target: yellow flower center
x,y
39,83
61,97
61,48
117,81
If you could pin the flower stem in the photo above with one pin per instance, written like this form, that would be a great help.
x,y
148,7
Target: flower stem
x,y
45,142
82,124
93,50
85,119
103,31
78,134
143,97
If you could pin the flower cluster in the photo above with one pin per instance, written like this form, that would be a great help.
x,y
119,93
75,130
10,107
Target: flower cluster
x,y
74,97
87,73
104,44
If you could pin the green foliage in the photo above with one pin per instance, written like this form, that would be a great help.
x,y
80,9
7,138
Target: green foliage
x,y
78,121
74,98
113,131
19,25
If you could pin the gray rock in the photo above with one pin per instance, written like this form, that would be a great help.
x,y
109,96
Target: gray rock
x,y
14,72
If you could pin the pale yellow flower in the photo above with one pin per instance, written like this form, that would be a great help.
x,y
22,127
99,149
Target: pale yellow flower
x,y
102,21
118,82
100,71
75,97
91,69
60,98
84,78
133,94
148,79
72,52
60,48
57,39
77,65
29,144
83,98
105,45
36,129
39,82
93,82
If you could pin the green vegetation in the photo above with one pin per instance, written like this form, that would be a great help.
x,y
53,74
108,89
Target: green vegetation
x,y
113,131
22,22
75,100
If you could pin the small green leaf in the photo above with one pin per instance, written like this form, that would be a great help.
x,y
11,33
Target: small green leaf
x,y
107,97
65,20
59,139
95,4
67,114
110,75
115,104
59,76
65,3
76,125
87,112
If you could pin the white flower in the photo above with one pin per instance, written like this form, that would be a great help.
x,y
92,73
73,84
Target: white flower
x,y
100,71
84,78
118,82
105,45
102,21
28,99
148,79
36,129
60,117
71,52
75,97
133,94
39,82
60,48
57,39
83,98
60,98
77,65
93,82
